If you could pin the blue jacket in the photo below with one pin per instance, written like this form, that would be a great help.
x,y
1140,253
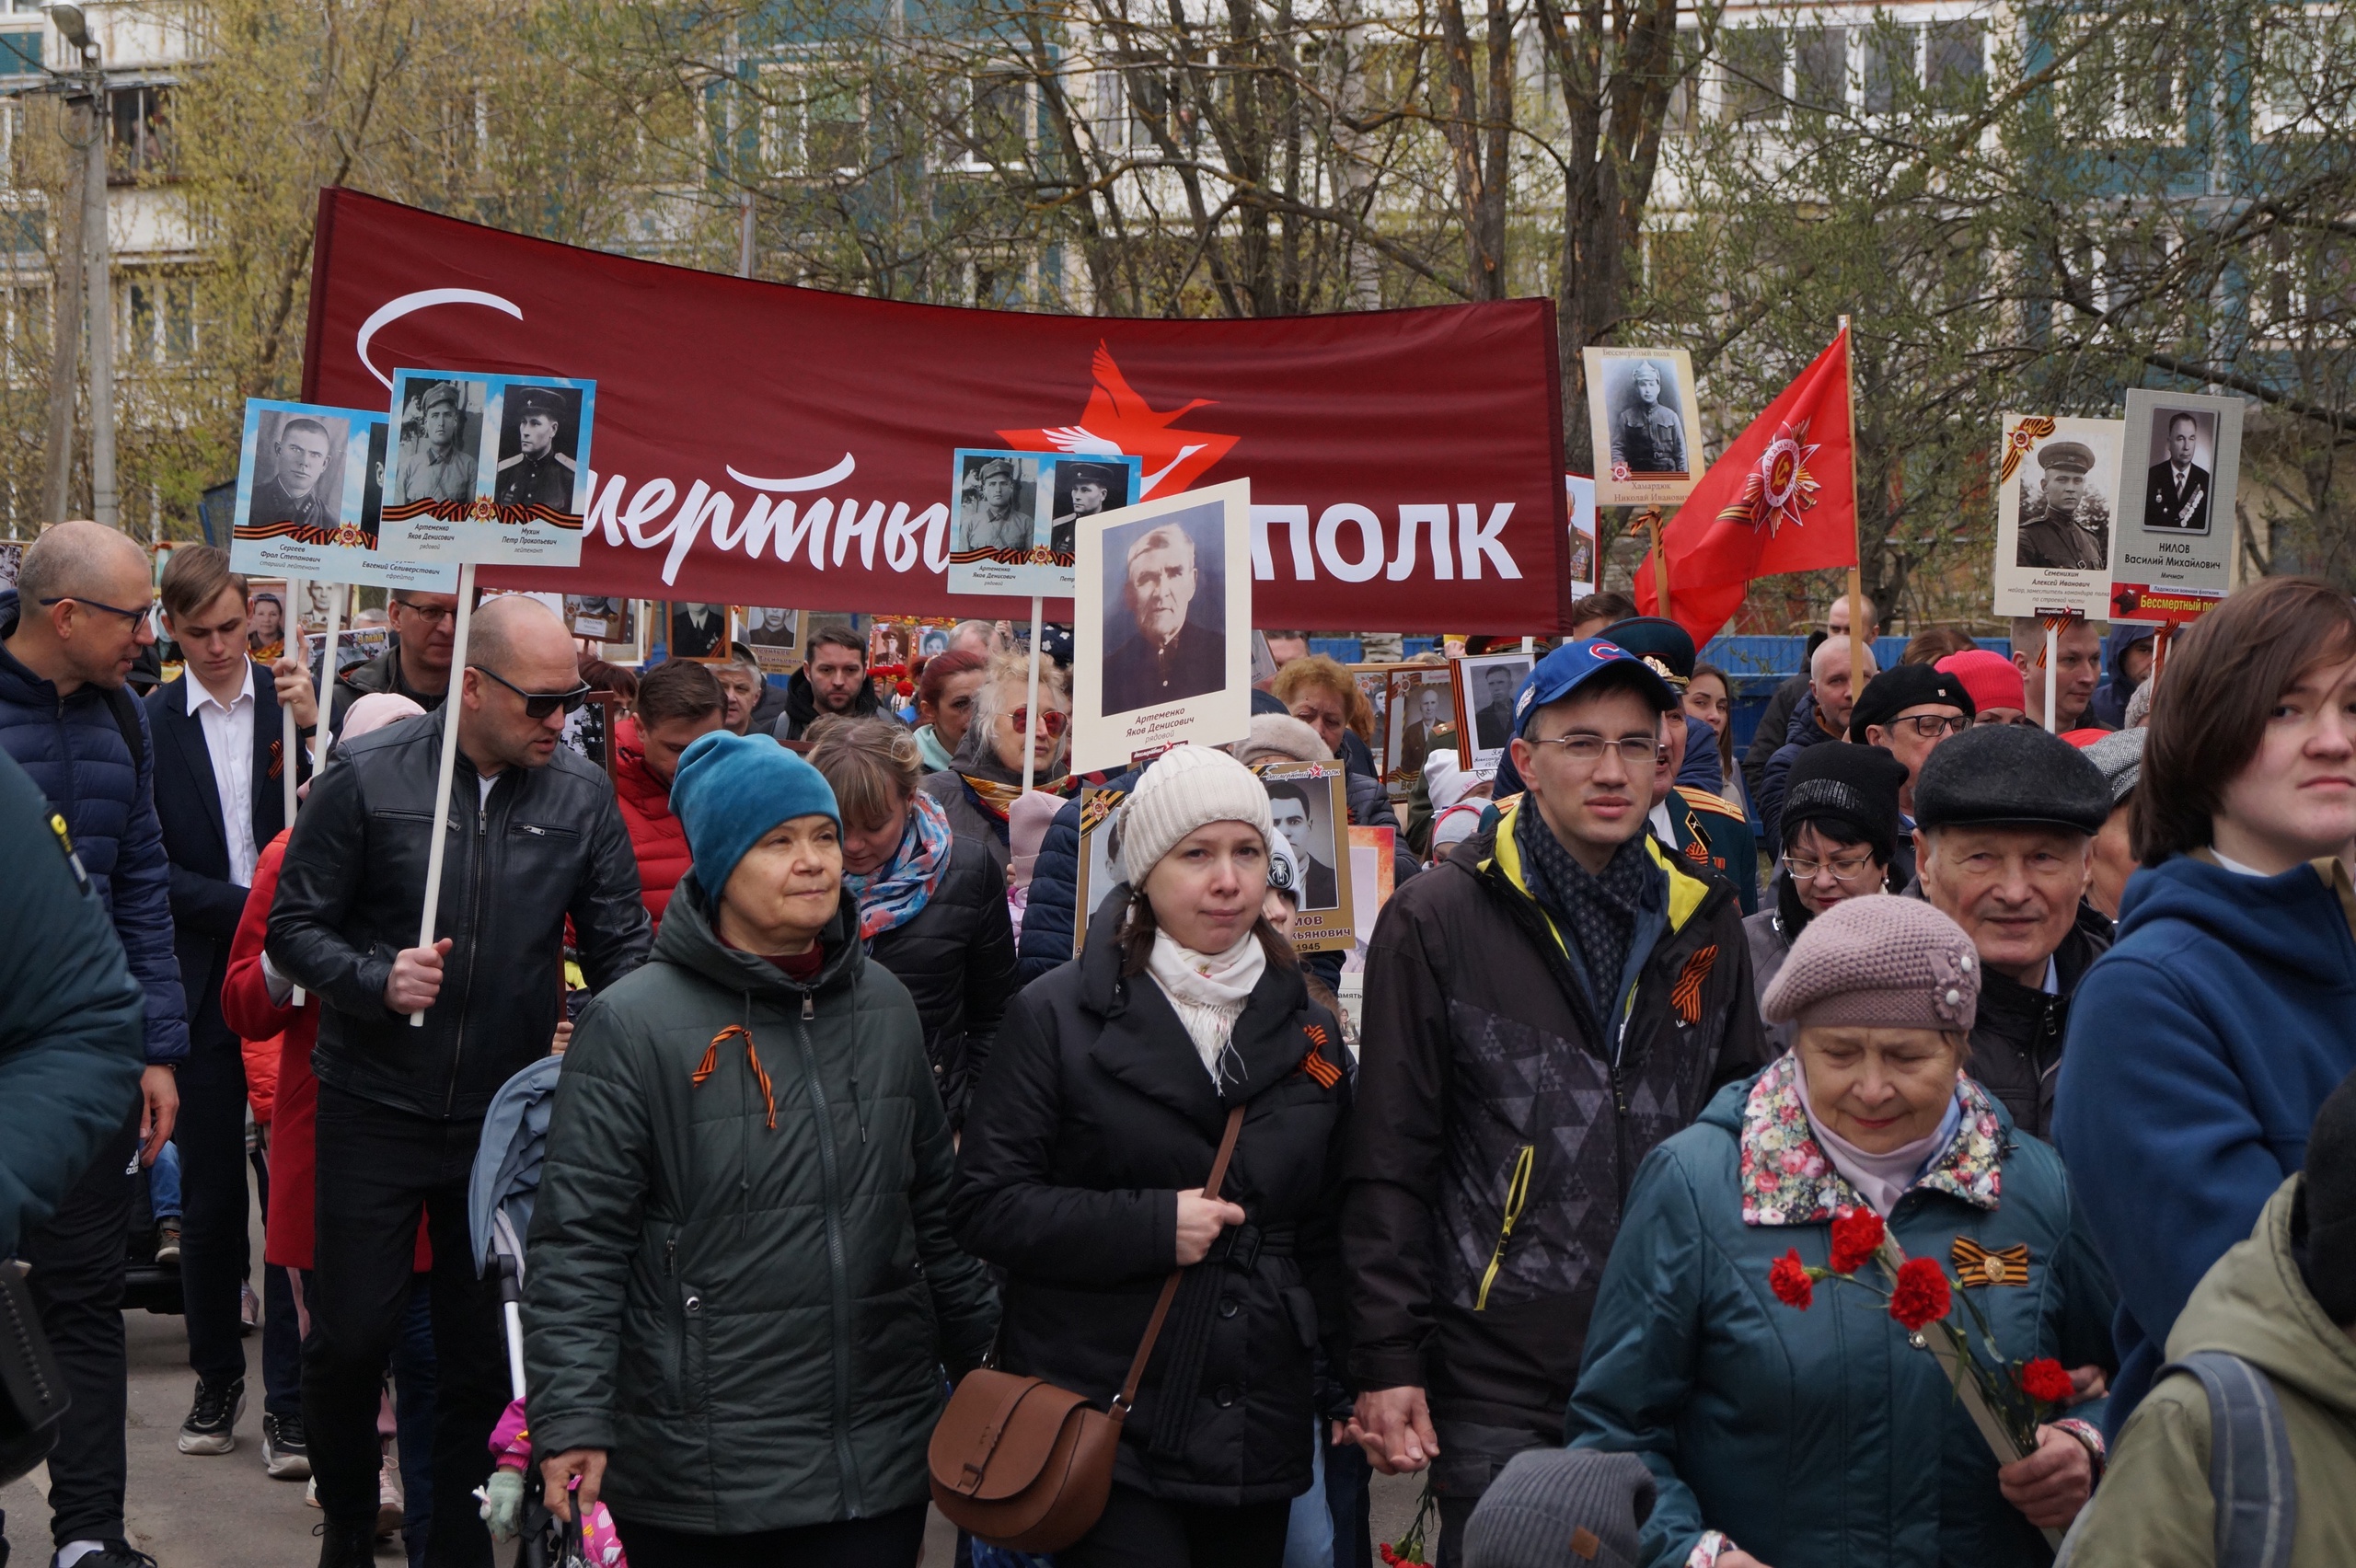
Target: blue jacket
x,y
1821,1437
1803,733
2108,706
2200,1048
74,750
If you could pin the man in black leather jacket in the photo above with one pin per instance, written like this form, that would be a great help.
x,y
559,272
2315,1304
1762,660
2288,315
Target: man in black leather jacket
x,y
536,838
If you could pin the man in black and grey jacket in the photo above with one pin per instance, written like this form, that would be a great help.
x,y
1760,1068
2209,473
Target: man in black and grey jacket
x,y
536,838
1541,1009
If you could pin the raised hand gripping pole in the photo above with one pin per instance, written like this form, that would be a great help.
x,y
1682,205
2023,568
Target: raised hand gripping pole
x,y
439,845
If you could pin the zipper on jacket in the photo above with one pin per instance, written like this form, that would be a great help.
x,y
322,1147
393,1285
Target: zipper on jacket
x,y
853,1503
1517,1195
1620,1134
474,927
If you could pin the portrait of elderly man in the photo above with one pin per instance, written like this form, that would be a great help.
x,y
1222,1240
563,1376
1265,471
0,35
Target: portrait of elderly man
x,y
293,491
1647,433
435,462
1168,654
538,474
2067,525
990,519
2177,488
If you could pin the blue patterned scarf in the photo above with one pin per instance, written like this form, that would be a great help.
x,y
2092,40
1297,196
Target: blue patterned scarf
x,y
898,892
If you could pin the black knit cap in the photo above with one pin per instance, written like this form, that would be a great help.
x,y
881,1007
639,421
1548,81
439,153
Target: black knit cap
x,y
1847,783
1563,1508
2002,775
2327,1199
1902,687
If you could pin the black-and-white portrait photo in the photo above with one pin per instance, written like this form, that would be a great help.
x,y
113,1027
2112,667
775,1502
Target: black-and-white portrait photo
x,y
1082,489
1303,813
1421,721
11,558
998,500
1490,684
2065,513
1164,610
315,602
298,473
699,631
372,484
2180,482
606,618
932,640
441,440
766,629
1648,418
539,435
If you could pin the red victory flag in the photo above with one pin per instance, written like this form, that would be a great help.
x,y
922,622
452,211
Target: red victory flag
x,y
1783,498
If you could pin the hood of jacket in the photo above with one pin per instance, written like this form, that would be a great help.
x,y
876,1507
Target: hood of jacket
x,y
801,701
2108,706
686,939
2298,921
2254,1304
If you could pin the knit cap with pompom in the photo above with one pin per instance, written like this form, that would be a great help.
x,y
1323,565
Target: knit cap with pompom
x,y
1186,787
1880,962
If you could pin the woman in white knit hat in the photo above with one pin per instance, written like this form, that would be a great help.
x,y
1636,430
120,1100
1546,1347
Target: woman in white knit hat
x,y
1086,1149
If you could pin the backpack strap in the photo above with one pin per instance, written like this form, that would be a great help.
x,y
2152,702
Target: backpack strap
x,y
124,706
2252,1477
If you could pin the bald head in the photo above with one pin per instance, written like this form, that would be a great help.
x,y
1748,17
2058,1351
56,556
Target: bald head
x,y
1836,620
514,633
82,557
83,592
1835,678
523,643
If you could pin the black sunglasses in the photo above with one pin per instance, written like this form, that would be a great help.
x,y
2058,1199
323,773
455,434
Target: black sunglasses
x,y
539,704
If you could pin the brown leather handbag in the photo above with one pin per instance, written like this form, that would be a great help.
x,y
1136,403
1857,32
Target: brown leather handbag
x,y
1022,1464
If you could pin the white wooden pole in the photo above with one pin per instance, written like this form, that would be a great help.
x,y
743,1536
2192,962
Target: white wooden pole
x,y
1031,701
336,592
291,620
2052,659
450,701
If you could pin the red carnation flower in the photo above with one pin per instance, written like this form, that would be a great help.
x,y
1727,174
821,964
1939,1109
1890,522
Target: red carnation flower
x,y
1788,1279
905,688
1856,1236
1921,1295
2046,1381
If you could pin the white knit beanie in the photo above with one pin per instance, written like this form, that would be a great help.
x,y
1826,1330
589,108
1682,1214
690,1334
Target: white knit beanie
x,y
1186,787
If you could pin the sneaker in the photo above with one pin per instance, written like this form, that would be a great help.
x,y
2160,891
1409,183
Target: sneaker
x,y
115,1554
347,1546
311,1493
212,1424
392,1509
285,1454
168,1242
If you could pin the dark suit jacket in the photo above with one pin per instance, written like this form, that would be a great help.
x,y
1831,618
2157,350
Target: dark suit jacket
x,y
1194,664
1317,888
205,903
2163,502
688,643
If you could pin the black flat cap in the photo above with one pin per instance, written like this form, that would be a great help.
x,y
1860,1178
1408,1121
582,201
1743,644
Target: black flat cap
x,y
1998,775
1853,785
1658,641
1902,687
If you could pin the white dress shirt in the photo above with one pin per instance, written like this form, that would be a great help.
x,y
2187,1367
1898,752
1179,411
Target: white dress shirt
x,y
229,739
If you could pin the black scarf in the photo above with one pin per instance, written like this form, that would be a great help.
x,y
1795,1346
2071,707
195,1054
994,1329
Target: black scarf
x,y
1597,914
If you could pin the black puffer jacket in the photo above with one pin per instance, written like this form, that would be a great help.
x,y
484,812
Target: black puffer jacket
x,y
957,960
1096,1113
801,709
547,845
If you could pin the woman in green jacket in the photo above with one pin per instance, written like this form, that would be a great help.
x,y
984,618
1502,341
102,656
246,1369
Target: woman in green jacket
x,y
740,1284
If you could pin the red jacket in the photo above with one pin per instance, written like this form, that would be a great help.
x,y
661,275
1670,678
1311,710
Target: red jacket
x,y
291,1225
659,837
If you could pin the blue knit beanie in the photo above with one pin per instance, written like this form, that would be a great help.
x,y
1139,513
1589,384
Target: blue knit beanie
x,y
730,790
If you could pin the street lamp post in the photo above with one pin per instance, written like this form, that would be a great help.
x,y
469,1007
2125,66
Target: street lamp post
x,y
98,287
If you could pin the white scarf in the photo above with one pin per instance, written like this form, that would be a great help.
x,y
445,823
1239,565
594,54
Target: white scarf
x,y
1882,1179
1207,992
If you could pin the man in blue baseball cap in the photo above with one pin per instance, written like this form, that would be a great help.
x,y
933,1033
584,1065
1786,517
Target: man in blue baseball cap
x,y
1552,1001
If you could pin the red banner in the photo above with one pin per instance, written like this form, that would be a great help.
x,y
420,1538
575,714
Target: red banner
x,y
758,443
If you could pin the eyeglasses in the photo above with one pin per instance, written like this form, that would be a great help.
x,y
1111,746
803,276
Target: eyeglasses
x,y
1587,750
539,704
135,617
1990,718
1050,717
434,614
1849,869
1931,726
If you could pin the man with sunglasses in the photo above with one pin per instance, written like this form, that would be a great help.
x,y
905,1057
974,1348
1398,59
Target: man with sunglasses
x,y
70,632
418,664
536,840
1541,1009
1906,712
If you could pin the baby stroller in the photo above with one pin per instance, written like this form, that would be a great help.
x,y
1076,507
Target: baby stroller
x,y
505,1186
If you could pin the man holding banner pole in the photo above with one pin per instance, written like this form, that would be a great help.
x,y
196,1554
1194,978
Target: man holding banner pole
x,y
539,840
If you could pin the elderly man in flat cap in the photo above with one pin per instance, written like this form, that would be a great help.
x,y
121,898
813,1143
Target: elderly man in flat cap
x,y
2068,525
438,467
1648,436
538,474
2005,824
990,520
1090,492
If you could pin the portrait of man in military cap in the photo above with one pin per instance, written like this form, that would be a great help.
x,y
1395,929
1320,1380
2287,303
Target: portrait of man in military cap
x,y
995,501
299,477
1647,423
1082,489
534,467
2065,518
440,430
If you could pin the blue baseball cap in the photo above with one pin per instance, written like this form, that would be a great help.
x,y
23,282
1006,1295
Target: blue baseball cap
x,y
1576,664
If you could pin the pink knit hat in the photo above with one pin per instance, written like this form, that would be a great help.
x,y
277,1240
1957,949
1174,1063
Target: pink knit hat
x,y
1881,962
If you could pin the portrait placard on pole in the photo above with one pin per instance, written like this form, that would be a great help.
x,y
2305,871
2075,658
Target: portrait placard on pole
x,y
1162,629
1016,515
2057,496
488,469
2176,528
1582,561
1310,803
1646,420
310,498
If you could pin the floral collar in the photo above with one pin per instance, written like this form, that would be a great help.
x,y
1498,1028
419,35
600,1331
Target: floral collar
x,y
1786,1179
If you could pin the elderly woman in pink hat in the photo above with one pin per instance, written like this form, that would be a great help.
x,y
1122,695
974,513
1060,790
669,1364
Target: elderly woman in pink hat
x,y
1791,1420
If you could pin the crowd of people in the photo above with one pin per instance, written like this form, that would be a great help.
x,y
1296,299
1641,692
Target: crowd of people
x,y
1921,1136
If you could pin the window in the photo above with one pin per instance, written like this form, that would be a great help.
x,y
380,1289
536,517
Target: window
x,y
992,119
139,143
162,328
1133,105
1954,61
2297,52
1754,74
812,123
1820,67
1683,113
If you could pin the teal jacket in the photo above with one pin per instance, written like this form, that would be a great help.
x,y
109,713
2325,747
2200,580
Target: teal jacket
x,y
1821,1437
741,1281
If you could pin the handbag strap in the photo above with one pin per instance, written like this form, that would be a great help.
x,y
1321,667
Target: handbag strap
x,y
1128,1394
